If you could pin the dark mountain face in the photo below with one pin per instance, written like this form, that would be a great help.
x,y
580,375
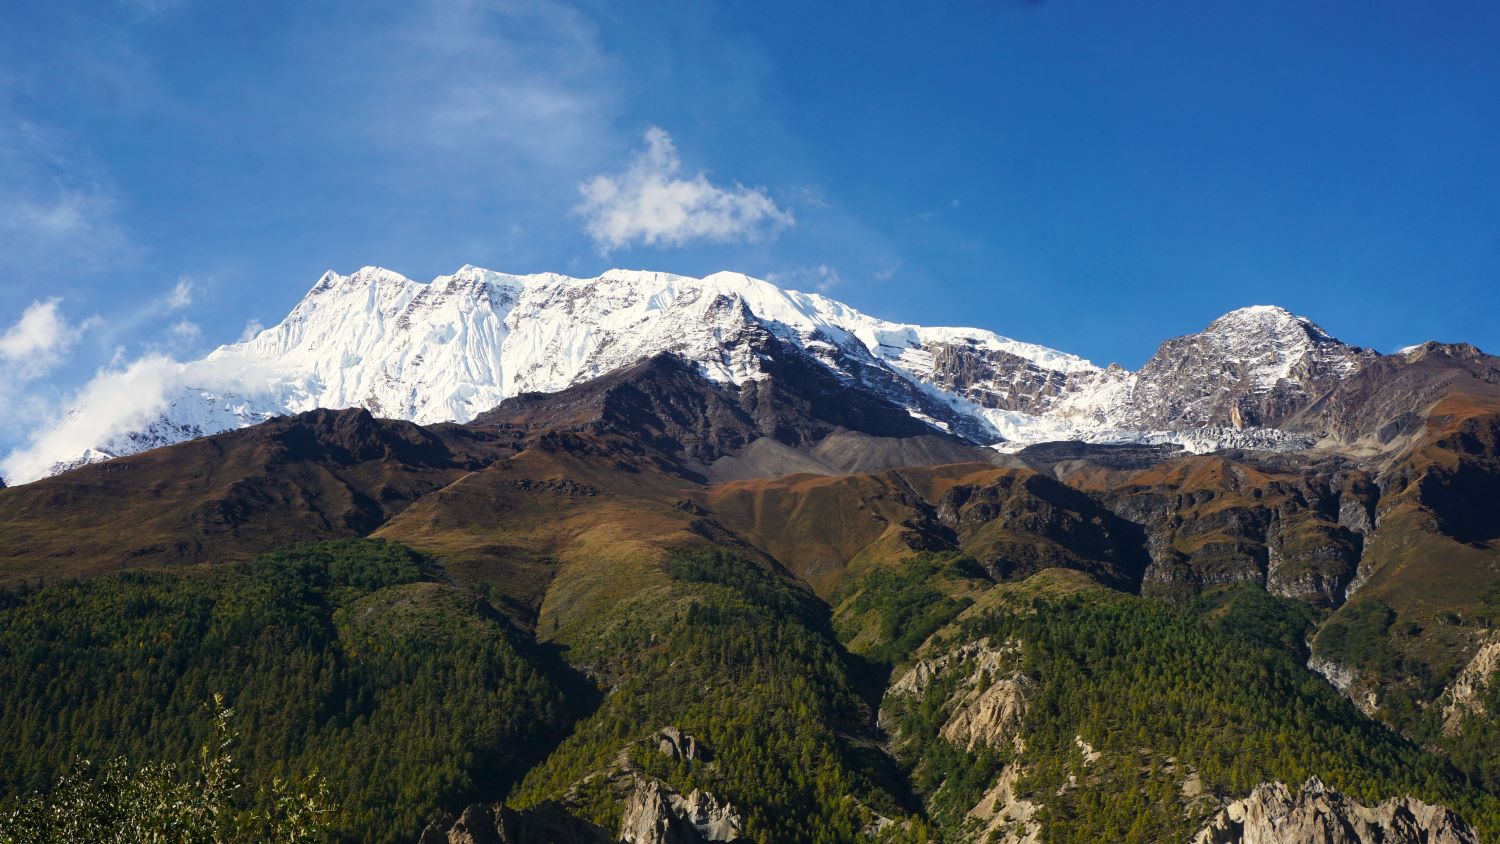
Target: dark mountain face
x,y
344,473
1298,524
323,474
1296,530
800,403
664,406
1395,396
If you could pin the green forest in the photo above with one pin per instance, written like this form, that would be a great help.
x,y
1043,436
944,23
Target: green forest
x,y
1218,688
349,658
356,673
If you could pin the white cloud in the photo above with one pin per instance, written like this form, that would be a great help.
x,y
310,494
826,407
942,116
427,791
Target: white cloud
x,y
181,295
134,396
41,332
122,397
122,400
181,338
252,328
145,326
652,204
30,348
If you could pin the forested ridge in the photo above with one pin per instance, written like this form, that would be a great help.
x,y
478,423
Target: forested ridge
x,y
348,657
411,696
746,662
1159,691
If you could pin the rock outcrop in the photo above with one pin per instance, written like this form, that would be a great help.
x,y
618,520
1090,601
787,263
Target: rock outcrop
x,y
989,715
656,814
677,745
989,701
1464,695
986,709
1298,529
495,823
652,812
1006,818
1274,814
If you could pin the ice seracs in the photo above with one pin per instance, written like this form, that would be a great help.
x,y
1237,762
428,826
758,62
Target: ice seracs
x,y
449,349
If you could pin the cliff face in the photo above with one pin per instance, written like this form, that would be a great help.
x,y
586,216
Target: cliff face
x,y
1298,528
655,814
1465,695
1273,814
652,812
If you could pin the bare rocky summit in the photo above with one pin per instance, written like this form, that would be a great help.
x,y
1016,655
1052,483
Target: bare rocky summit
x,y
1251,368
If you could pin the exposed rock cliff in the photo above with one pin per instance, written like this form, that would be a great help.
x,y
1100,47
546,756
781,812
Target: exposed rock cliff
x,y
1316,814
1464,696
656,814
986,709
652,812
1297,530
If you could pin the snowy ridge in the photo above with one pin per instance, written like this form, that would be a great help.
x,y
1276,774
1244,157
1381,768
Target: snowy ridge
x,y
449,349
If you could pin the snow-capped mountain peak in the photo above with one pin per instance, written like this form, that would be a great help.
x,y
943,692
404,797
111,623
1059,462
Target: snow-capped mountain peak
x,y
451,348
1268,326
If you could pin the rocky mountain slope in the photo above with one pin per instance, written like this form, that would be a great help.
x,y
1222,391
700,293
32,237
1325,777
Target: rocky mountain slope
x,y
452,348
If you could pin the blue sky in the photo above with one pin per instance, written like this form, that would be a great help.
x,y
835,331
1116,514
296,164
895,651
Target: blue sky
x,y
1092,176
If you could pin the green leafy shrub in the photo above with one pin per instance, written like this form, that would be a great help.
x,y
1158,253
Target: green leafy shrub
x,y
164,802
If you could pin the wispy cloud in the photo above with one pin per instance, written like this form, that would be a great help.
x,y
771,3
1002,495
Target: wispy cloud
x,y
129,391
181,294
652,203
35,343
819,278
522,84
120,399
185,332
135,395
30,349
57,210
